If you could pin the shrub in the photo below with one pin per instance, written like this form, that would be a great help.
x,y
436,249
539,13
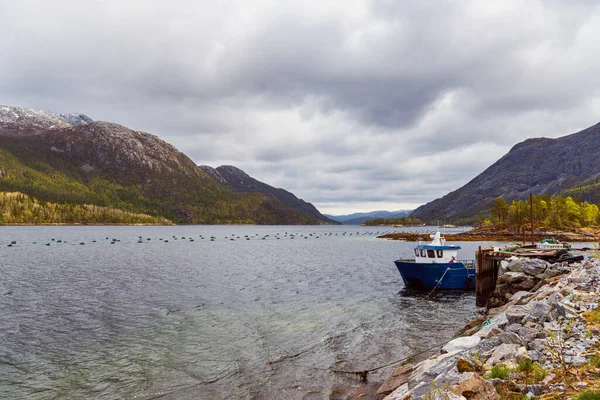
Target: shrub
x,y
499,371
595,360
589,395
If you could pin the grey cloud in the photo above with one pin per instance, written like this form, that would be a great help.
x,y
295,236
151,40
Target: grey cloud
x,y
373,101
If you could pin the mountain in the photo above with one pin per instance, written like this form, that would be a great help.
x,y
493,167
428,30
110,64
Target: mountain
x,y
238,181
567,165
69,158
359,218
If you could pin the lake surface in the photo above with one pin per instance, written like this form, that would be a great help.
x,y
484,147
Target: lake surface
x,y
262,316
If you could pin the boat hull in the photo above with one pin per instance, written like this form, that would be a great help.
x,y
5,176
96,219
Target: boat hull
x,y
447,276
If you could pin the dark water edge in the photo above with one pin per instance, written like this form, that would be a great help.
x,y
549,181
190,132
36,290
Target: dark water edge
x,y
207,320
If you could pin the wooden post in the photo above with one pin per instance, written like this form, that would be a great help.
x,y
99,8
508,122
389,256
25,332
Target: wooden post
x,y
531,209
487,272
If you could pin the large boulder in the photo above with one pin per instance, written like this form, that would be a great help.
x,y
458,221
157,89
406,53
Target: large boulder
x,y
461,343
475,388
505,353
513,282
540,310
516,313
399,377
529,266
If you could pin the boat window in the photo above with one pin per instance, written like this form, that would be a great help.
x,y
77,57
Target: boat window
x,y
417,252
440,253
422,252
430,254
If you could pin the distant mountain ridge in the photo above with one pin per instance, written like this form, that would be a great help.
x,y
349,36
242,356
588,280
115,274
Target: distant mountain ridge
x,y
69,158
238,181
360,218
567,164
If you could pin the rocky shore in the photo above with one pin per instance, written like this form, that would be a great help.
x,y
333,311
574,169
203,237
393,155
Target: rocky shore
x,y
541,341
501,235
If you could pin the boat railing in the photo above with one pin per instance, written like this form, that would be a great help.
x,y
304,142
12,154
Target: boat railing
x,y
468,263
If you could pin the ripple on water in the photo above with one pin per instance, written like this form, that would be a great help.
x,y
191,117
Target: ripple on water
x,y
206,319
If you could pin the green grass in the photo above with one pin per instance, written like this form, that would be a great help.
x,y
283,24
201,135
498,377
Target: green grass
x,y
589,395
499,371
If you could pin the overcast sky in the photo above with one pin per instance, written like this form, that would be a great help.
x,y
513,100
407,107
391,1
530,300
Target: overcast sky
x,y
351,105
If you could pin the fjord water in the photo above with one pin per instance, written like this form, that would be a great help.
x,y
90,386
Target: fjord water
x,y
264,318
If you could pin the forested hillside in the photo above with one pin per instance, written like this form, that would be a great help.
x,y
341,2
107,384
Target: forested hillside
x,y
17,208
567,165
556,212
71,159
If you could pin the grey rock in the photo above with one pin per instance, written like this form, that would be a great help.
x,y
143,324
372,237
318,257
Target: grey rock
x,y
579,277
554,270
512,282
536,390
484,347
534,355
527,266
537,345
516,313
516,327
539,312
510,338
575,360
503,353
527,334
519,296
499,321
461,343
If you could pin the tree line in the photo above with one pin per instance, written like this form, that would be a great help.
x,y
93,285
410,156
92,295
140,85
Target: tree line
x,y
405,221
17,208
548,211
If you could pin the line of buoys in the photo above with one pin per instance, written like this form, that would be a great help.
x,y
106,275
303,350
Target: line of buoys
x,y
233,237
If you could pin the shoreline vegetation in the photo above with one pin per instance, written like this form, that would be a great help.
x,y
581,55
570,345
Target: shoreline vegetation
x,y
19,209
395,222
488,234
562,218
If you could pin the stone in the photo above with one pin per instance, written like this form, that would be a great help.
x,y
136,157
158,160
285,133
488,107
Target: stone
x,y
475,388
532,266
527,334
534,389
579,277
519,296
499,321
510,338
554,270
512,282
461,343
540,310
522,354
534,355
504,353
516,313
548,378
576,360
485,347
514,328
448,396
399,377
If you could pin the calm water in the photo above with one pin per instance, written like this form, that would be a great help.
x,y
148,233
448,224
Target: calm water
x,y
207,319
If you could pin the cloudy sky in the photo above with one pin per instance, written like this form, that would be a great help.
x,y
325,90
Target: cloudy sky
x,y
352,105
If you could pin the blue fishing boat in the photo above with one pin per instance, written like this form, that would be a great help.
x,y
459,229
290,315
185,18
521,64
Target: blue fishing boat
x,y
436,266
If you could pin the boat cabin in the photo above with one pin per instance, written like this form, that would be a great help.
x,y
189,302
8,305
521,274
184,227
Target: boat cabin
x,y
436,252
